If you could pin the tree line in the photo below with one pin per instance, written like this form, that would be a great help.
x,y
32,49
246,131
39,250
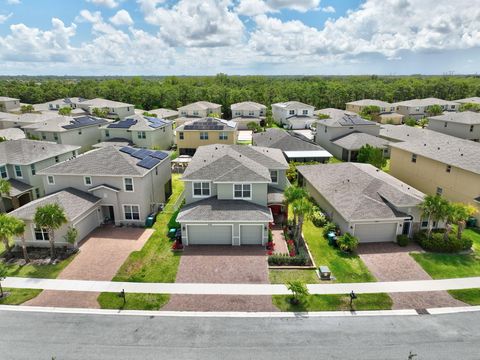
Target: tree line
x,y
173,92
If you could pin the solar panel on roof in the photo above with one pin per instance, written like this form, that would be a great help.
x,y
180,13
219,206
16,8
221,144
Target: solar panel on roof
x,y
123,124
149,162
128,150
83,121
159,155
141,154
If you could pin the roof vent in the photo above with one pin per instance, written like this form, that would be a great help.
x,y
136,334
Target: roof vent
x,y
438,148
461,154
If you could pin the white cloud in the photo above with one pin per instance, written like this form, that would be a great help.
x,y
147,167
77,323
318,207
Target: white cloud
x,y
107,3
252,7
257,7
122,17
328,9
4,18
13,2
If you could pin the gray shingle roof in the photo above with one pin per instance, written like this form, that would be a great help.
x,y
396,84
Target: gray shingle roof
x,y
12,134
450,150
283,140
100,103
341,118
248,105
368,102
25,151
163,113
360,191
58,123
234,163
212,209
199,105
18,187
355,140
425,102
292,105
465,117
473,100
275,196
73,201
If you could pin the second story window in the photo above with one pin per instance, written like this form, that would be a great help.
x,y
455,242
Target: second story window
x,y
3,172
203,135
291,112
274,176
32,169
44,137
50,180
439,191
201,189
449,168
57,159
238,113
242,191
251,113
195,113
414,158
142,135
471,128
18,171
87,180
180,135
128,182
55,136
304,112
223,136
107,133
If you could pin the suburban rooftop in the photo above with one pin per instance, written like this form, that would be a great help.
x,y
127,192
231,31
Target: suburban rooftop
x,y
367,102
6,98
201,105
425,102
340,118
465,117
100,103
139,123
207,124
248,105
283,140
66,123
25,151
291,104
355,140
473,100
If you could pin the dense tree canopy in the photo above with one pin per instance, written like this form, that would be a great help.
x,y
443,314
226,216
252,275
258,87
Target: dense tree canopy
x,y
172,92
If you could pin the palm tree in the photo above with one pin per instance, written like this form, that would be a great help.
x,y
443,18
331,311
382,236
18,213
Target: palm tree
x,y
302,208
18,229
50,217
462,213
7,231
5,188
293,193
3,275
434,208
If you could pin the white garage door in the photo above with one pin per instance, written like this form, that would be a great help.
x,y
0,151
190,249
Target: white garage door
x,y
87,225
376,232
209,235
251,234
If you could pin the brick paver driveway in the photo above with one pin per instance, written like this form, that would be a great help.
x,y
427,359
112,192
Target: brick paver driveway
x,y
390,262
100,256
222,264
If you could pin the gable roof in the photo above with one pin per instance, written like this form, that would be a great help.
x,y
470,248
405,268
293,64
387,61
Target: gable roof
x,y
341,118
283,140
58,123
199,105
99,102
207,124
12,133
292,105
25,151
247,105
425,102
465,117
163,113
361,191
226,163
368,102
355,140
73,201
139,123
6,98
473,100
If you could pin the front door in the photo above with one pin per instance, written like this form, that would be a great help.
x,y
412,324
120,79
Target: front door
x,y
406,228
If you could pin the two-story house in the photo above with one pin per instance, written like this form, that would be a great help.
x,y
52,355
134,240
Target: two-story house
x,y
470,100
248,111
8,103
199,109
20,162
464,125
8,120
418,108
344,133
143,131
131,183
205,131
83,131
115,109
293,114
162,113
387,114
231,192
58,104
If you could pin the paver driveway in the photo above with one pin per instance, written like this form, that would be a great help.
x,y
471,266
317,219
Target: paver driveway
x,y
222,264
390,262
100,257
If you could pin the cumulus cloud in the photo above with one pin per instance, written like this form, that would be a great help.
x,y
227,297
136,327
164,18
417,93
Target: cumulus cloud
x,y
107,3
13,2
4,18
328,9
122,17
257,7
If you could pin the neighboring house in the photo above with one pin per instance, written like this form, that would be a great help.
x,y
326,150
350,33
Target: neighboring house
x,y
20,162
162,113
83,131
116,110
465,125
8,121
58,104
205,131
387,110
344,133
418,108
9,104
199,109
231,192
248,111
470,100
12,134
435,163
131,183
82,211
143,131
293,114
294,148
363,200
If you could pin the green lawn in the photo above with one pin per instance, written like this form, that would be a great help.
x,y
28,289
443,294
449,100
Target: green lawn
x,y
386,168
38,271
244,142
134,301
469,296
344,267
444,266
18,296
334,160
283,276
334,302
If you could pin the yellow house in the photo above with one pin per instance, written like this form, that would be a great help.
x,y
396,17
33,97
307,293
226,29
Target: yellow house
x,y
205,131
435,163
387,110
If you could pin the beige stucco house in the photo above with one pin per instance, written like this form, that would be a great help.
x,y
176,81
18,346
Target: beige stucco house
x,y
116,109
465,125
8,103
196,110
248,111
387,111
418,108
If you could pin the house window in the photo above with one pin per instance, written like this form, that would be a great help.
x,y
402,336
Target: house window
x,y
291,112
424,223
304,112
50,180
183,113
142,135
41,234
32,169
453,106
449,168
3,172
128,184
37,193
439,191
242,191
43,136
132,212
57,159
128,108
471,128
238,113
274,176
195,113
74,153
414,158
55,136
180,135
223,136
107,133
201,189
18,171
251,113
203,135
445,124
417,109
87,180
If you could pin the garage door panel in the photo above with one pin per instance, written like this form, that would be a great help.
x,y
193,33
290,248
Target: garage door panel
x,y
251,234
376,232
209,234
87,225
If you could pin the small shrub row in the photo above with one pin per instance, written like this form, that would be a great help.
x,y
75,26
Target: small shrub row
x,y
438,243
402,240
172,223
318,218
347,242
285,260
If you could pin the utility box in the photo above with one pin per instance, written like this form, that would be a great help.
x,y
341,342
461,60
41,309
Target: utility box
x,y
325,273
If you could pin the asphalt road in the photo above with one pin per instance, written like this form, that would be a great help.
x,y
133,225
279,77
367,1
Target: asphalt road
x,y
75,336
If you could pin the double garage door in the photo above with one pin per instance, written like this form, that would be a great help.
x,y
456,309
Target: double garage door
x,y
379,232
222,234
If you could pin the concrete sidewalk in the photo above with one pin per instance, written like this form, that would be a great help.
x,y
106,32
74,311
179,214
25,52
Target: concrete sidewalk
x,y
240,289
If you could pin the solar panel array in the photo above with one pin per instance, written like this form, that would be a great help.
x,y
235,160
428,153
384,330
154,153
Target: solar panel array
x,y
148,158
122,124
83,121
349,120
155,122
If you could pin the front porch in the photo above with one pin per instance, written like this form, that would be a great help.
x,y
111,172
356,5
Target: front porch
x,y
19,195
276,203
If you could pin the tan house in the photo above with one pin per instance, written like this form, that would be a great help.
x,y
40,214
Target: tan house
x,y
205,131
8,103
248,111
465,124
199,109
435,163
387,110
418,108
116,109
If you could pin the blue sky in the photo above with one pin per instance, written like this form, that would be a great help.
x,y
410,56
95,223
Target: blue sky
x,y
195,37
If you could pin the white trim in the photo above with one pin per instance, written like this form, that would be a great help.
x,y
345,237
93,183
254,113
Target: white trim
x,y
103,186
242,198
34,238
85,180
123,211
125,185
6,170
201,189
81,218
15,171
48,180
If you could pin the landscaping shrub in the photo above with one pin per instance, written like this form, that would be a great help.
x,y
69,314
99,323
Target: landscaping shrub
x,y
329,226
402,240
285,260
438,243
347,242
172,223
318,218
